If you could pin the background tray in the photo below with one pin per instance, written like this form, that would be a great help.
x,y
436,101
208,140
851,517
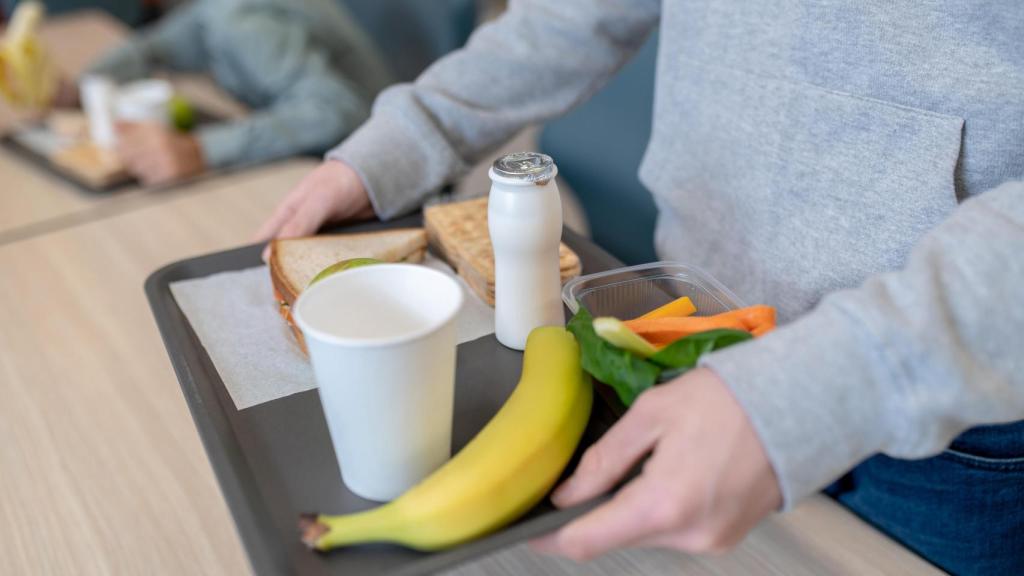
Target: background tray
x,y
275,460
43,162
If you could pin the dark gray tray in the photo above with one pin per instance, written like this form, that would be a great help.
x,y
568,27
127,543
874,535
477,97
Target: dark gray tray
x,y
203,118
275,460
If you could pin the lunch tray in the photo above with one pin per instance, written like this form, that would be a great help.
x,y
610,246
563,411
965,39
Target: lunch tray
x,y
274,460
43,162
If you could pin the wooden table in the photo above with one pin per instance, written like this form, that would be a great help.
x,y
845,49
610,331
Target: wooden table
x,y
102,471
33,201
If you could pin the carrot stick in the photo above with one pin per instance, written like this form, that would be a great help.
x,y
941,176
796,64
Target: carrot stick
x,y
658,331
678,307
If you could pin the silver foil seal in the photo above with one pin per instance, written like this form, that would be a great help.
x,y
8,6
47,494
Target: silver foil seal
x,y
524,167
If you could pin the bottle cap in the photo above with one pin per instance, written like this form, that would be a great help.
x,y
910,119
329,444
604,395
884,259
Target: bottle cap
x,y
524,168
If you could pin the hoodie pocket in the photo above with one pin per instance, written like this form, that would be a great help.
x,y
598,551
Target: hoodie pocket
x,y
786,191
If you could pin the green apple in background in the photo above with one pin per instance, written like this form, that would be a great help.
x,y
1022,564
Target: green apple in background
x,y
343,265
182,115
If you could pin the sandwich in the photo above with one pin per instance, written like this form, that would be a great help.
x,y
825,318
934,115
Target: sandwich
x,y
294,262
96,166
458,233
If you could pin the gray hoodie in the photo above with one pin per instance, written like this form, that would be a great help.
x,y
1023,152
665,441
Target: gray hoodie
x,y
834,159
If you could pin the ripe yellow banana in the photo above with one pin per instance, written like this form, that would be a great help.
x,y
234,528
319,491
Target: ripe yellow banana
x,y
27,77
502,473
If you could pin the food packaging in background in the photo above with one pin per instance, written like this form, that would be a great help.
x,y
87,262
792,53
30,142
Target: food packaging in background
x,y
105,104
144,101
635,290
98,100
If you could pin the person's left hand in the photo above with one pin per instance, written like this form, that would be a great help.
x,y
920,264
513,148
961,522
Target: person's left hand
x,y
707,483
156,154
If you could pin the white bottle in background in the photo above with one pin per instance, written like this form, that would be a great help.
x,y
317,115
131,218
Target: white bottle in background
x,y
525,219
144,101
99,97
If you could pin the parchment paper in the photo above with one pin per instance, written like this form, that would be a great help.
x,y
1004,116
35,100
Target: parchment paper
x,y
235,316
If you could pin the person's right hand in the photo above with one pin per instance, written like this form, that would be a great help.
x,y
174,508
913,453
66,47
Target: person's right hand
x,y
333,192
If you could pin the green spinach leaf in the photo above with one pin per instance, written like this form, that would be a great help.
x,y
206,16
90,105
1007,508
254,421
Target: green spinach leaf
x,y
685,352
627,374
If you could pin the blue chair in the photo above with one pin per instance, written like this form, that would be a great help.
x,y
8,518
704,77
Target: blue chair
x,y
413,33
598,148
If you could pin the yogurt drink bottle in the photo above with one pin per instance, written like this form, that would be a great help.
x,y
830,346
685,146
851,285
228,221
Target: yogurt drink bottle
x,y
524,216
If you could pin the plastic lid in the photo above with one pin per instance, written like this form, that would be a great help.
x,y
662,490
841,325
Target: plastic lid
x,y
524,167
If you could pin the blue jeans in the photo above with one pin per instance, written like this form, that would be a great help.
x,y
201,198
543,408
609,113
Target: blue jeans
x,y
963,510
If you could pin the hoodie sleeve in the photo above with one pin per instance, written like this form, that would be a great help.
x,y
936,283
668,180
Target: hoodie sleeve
x,y
902,364
175,42
535,62
310,106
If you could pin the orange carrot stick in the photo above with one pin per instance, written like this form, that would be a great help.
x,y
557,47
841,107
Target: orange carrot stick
x,y
678,307
658,331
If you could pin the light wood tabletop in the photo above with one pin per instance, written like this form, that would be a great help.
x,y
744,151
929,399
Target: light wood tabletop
x,y
102,469
101,465
33,200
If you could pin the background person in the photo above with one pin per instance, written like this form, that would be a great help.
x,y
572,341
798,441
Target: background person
x,y
306,70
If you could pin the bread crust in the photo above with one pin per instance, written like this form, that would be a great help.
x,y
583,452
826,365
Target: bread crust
x,y
458,233
286,294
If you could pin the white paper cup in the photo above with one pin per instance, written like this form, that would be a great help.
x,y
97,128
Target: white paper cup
x,y
382,342
144,101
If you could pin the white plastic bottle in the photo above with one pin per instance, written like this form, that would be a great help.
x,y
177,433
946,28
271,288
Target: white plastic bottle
x,y
525,220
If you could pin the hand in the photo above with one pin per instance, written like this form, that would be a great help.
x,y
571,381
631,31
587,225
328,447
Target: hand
x,y
156,154
332,192
707,483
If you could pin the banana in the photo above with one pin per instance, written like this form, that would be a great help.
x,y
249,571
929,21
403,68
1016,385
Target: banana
x,y
501,474
27,77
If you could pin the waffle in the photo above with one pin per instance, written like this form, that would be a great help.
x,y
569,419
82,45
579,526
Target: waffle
x,y
458,233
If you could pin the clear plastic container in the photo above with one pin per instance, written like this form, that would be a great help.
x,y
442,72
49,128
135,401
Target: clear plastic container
x,y
635,290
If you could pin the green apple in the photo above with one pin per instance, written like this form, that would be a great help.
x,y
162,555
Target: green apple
x,y
342,266
181,113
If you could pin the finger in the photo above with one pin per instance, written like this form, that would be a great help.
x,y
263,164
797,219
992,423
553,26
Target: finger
x,y
635,513
134,163
284,211
691,539
306,220
611,457
148,170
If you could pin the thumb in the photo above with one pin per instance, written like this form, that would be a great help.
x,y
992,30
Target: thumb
x,y
612,456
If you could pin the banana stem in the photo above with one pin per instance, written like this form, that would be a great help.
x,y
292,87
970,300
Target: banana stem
x,y
321,532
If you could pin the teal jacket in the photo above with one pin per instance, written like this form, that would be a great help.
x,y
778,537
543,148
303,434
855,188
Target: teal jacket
x,y
306,70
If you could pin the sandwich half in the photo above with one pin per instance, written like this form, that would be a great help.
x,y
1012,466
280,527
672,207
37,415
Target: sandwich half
x,y
294,262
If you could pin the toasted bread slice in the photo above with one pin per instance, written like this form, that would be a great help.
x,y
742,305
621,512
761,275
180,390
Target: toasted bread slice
x,y
294,262
458,233
96,166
